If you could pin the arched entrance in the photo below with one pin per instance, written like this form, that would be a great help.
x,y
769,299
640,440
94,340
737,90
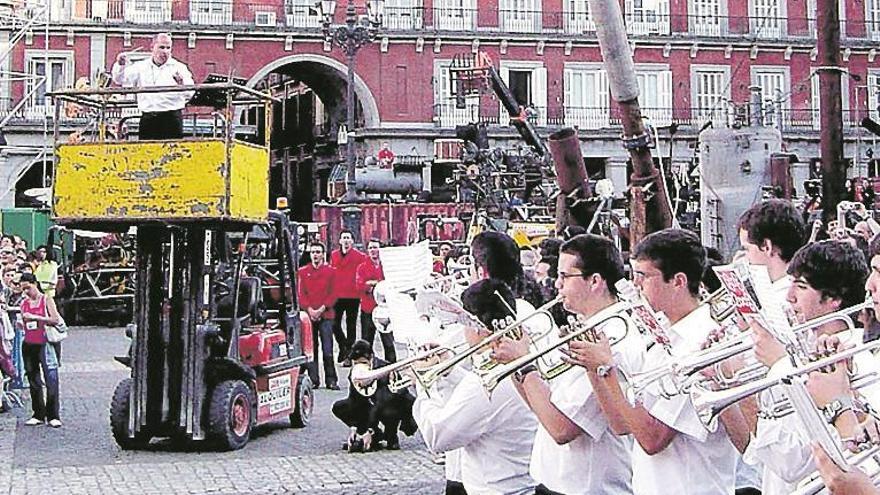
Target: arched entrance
x,y
312,89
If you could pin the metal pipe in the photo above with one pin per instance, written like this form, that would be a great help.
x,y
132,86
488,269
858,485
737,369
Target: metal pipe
x,y
831,116
572,179
649,209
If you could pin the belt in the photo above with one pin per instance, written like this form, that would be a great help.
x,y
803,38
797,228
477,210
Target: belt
x,y
162,111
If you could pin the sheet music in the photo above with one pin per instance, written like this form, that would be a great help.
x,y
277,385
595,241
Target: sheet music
x,y
407,267
773,304
732,281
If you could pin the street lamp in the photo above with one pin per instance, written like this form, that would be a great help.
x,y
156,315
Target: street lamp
x,y
351,36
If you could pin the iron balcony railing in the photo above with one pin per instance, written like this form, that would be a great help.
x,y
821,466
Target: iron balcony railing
x,y
302,14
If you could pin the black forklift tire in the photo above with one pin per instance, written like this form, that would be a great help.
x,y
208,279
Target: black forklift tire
x,y
119,407
305,401
231,414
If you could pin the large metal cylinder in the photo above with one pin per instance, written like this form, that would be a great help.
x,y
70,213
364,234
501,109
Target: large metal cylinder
x,y
571,175
616,52
387,181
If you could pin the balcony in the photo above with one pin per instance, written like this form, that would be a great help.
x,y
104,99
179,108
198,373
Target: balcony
x,y
301,14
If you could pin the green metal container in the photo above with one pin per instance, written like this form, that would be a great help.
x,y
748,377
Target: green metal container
x,y
30,224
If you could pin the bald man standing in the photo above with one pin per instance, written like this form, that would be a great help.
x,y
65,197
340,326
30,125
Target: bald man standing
x,y
161,113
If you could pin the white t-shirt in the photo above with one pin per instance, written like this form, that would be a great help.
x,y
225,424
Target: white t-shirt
x,y
696,461
598,461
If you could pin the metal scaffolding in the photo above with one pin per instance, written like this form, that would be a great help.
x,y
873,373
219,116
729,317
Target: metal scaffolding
x,y
21,19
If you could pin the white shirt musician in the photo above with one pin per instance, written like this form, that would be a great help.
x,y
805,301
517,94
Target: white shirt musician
x,y
493,432
696,460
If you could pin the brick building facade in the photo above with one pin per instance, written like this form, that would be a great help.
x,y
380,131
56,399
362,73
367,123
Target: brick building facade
x,y
695,58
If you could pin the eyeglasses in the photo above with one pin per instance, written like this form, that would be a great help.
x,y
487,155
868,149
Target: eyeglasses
x,y
565,276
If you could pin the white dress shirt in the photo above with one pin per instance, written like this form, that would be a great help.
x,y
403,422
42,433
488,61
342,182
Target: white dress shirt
x,y
696,461
782,445
145,73
597,461
495,433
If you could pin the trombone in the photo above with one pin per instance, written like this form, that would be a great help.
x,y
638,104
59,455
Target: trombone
x,y
681,373
580,329
427,377
710,403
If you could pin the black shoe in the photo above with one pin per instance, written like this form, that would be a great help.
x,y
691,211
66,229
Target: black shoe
x,y
408,426
346,363
343,355
332,386
393,444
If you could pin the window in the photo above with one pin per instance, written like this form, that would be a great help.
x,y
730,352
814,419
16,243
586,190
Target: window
x,y
446,111
213,12
403,14
815,107
148,11
577,17
645,17
773,82
707,17
58,74
520,16
872,18
874,94
586,96
455,15
767,18
711,90
302,13
528,83
655,95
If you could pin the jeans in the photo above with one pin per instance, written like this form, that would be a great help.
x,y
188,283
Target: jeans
x,y
322,333
350,308
37,358
368,333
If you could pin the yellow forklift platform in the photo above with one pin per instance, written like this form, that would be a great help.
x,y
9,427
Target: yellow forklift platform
x,y
161,180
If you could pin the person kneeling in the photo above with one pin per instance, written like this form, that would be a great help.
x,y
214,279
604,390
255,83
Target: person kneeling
x,y
368,406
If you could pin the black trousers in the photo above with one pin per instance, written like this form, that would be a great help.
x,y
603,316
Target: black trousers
x,y
161,125
368,333
368,412
455,488
543,490
350,308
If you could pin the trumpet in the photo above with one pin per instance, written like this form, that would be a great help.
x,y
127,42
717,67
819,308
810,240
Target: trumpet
x,y
681,372
816,485
364,378
579,330
430,375
710,403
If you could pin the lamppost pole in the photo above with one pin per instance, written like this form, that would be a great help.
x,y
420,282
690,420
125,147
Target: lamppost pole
x,y
350,37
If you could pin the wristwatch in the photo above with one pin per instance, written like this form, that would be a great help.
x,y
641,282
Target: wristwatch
x,y
835,408
520,374
604,370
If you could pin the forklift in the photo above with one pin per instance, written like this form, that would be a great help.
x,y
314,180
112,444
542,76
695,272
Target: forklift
x,y
218,343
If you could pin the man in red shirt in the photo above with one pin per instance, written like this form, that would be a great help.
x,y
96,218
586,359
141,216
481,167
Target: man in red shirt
x,y
346,260
385,156
443,253
369,273
315,286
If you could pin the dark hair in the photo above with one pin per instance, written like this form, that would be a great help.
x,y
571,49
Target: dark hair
x,y
481,300
596,255
571,231
779,222
361,349
874,247
318,244
674,251
498,255
346,231
550,247
372,240
836,269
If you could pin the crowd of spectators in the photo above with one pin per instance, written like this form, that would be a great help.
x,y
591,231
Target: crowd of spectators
x,y
27,360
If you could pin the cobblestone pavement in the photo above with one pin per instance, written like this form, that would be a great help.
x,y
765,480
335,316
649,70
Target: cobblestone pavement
x,y
82,458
